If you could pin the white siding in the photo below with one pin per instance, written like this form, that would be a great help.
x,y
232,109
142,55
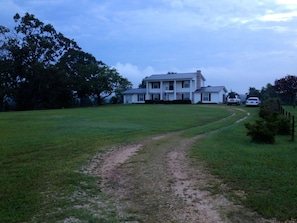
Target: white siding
x,y
128,99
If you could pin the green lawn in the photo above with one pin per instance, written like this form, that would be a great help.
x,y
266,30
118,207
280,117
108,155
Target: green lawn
x,y
40,150
267,173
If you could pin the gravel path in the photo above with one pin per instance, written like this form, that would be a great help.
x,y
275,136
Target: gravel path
x,y
157,181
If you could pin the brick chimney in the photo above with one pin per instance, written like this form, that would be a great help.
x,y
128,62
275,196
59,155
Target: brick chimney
x,y
199,79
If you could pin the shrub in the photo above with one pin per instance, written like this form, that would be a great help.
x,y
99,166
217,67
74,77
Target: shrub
x,y
168,102
269,109
283,125
154,101
272,123
261,131
114,100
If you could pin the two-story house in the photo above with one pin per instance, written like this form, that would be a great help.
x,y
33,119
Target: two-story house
x,y
176,86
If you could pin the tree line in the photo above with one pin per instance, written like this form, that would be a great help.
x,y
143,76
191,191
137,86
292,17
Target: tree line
x,y
40,69
284,89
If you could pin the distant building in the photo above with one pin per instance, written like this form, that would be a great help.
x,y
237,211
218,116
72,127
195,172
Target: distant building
x,y
176,86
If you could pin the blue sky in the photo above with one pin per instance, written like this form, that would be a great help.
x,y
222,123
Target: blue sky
x,y
237,44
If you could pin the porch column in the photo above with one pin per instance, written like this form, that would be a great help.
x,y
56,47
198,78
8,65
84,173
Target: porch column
x,y
147,96
191,90
174,87
161,88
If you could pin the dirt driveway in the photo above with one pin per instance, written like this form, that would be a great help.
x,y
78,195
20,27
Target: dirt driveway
x,y
157,181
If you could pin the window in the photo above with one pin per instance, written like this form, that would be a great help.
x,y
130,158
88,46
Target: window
x,y
141,97
155,84
156,96
185,84
206,97
171,84
186,96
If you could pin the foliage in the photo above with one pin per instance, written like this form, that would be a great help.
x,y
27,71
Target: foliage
x,y
270,124
168,102
33,51
265,174
232,94
268,92
283,124
264,94
142,84
261,131
40,68
106,82
269,109
253,92
114,100
287,86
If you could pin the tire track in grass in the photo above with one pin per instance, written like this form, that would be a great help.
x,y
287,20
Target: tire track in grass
x,y
156,181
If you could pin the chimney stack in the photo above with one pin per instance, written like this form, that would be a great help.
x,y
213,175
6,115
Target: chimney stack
x,y
198,79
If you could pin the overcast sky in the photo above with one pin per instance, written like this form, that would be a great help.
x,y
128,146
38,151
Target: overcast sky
x,y
237,44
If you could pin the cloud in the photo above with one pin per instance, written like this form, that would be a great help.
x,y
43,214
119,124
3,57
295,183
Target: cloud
x,y
230,41
9,9
279,17
289,4
133,73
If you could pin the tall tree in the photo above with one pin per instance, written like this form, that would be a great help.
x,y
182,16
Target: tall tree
x,y
124,84
287,86
89,77
41,68
79,67
106,82
142,84
6,67
253,92
268,92
33,49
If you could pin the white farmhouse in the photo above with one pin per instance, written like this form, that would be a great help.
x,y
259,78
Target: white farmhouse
x,y
176,86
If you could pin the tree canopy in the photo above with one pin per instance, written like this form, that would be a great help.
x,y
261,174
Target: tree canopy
x,y
284,89
253,92
41,68
287,86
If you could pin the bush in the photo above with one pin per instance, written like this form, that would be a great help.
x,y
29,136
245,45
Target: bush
x,y
269,109
113,100
272,123
261,131
154,101
168,102
283,125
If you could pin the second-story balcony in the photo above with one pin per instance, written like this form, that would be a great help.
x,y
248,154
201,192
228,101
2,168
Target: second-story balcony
x,y
169,89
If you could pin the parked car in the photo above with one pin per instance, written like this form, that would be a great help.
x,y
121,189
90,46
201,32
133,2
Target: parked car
x,y
253,101
233,99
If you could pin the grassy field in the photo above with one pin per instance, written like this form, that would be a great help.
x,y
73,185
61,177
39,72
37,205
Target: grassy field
x,y
267,173
40,150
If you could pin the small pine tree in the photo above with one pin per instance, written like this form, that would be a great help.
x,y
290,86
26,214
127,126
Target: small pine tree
x,y
261,131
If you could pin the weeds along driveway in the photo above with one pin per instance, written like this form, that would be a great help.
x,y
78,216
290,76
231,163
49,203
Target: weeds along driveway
x,y
156,181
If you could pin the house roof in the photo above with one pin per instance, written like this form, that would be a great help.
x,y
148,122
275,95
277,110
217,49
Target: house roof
x,y
135,91
175,76
211,89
